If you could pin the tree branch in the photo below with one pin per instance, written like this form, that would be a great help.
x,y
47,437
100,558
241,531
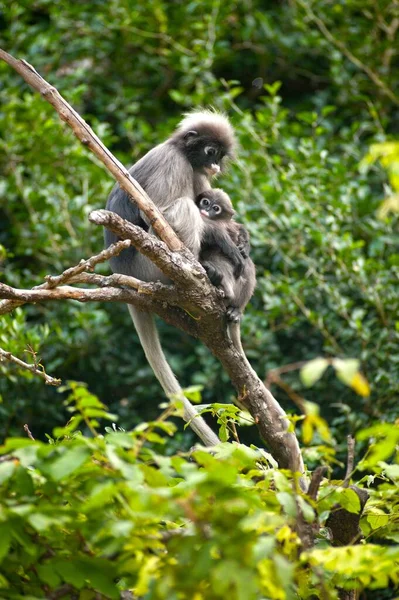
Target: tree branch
x,y
88,138
350,461
35,369
177,266
52,281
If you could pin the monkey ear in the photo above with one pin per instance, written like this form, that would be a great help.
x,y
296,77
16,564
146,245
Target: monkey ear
x,y
191,133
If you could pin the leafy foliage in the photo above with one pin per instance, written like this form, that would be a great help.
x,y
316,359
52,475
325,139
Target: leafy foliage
x,y
327,267
114,512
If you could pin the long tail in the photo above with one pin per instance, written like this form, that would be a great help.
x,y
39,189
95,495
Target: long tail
x,y
234,330
146,329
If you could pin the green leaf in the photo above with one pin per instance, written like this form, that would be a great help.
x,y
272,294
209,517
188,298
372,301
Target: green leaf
x,y
48,574
5,540
287,501
346,369
377,519
349,500
313,370
70,460
7,468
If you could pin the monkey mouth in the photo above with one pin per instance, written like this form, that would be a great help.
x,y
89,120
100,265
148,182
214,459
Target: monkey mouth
x,y
213,169
204,213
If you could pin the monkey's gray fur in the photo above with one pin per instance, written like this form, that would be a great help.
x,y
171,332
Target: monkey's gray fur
x,y
172,174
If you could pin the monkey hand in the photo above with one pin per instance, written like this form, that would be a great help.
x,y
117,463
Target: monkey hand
x,y
213,274
243,250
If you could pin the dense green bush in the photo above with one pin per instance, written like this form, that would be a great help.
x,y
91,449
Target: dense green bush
x,y
109,513
327,267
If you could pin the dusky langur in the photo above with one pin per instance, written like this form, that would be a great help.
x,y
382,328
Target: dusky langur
x,y
221,235
173,174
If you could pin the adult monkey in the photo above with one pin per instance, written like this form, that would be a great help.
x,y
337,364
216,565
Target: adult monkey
x,y
173,174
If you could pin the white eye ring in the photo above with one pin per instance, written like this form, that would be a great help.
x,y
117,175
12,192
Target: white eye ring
x,y
217,209
209,150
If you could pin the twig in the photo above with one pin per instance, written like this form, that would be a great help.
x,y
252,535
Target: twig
x,y
28,432
88,264
351,460
32,368
298,400
87,136
315,482
7,306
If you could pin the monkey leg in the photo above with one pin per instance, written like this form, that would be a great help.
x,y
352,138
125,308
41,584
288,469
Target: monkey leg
x,y
214,275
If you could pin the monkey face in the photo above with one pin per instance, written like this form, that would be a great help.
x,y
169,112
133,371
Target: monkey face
x,y
212,207
204,152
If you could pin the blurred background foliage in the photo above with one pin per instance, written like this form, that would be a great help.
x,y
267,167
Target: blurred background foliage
x,y
309,86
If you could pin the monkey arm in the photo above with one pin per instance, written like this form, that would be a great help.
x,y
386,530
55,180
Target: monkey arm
x,y
217,238
243,243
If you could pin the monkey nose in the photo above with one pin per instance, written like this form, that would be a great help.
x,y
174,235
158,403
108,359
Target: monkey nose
x,y
204,213
214,169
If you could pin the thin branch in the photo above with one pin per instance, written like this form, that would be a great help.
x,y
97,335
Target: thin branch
x,y
346,52
7,306
28,432
156,288
351,460
87,136
88,264
315,482
35,369
67,292
298,400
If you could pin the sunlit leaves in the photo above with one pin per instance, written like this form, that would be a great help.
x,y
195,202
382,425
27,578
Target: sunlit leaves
x,y
347,371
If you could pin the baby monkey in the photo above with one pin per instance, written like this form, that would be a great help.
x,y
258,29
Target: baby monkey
x,y
222,239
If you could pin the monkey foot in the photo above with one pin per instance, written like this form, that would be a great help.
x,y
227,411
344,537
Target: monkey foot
x,y
233,314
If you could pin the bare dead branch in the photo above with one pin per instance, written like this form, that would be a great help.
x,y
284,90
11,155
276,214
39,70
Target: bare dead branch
x,y
67,292
118,280
177,266
35,369
88,138
315,482
7,306
88,264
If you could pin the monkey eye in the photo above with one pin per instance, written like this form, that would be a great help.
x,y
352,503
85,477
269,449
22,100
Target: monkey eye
x,y
210,150
217,209
205,202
